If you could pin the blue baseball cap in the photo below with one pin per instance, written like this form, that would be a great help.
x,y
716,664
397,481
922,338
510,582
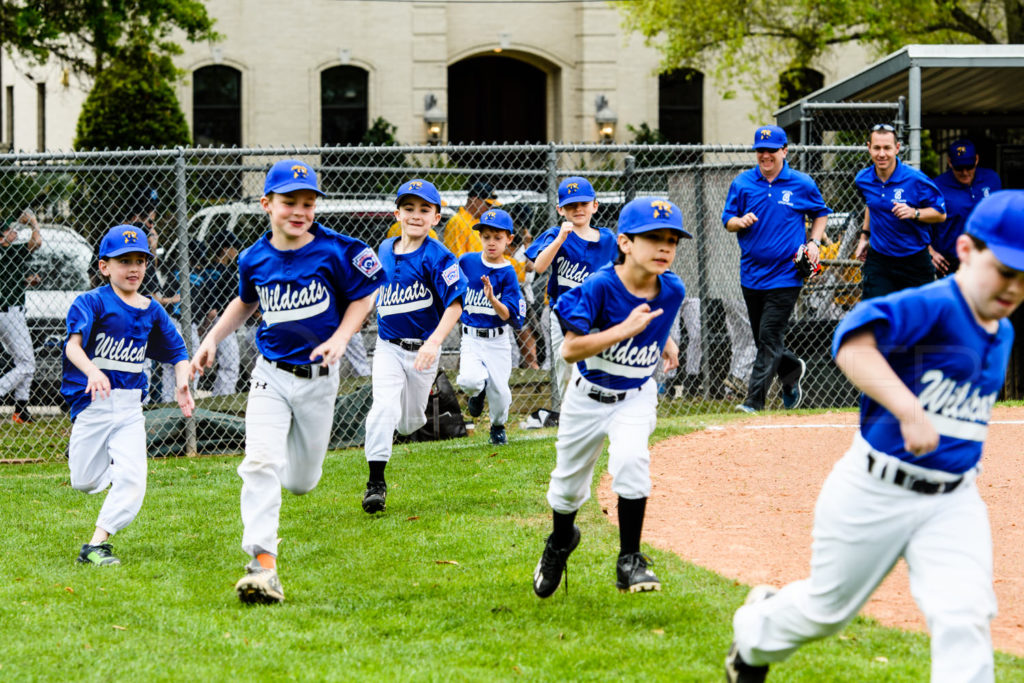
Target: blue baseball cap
x,y
996,220
290,175
962,153
124,239
645,214
497,219
423,189
769,137
575,189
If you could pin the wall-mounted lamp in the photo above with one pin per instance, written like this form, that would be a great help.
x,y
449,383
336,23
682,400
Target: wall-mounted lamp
x,y
344,55
434,117
504,41
606,119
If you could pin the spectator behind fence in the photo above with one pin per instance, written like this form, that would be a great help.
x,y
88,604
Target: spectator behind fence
x,y
963,185
767,207
14,335
218,286
901,202
459,236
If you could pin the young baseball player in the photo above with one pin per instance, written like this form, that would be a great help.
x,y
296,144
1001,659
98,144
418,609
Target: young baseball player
x,y
313,288
616,328
493,301
111,331
573,250
931,362
418,304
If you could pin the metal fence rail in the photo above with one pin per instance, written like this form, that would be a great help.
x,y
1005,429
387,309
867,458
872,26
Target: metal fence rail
x,y
194,194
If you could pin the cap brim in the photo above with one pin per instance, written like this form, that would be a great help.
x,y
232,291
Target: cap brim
x,y
1011,257
769,145
126,250
659,226
575,199
292,187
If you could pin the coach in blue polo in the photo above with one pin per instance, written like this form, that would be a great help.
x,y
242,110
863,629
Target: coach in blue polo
x,y
768,207
962,186
901,204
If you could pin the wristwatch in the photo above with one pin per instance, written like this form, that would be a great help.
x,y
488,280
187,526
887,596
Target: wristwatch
x,y
815,242
917,214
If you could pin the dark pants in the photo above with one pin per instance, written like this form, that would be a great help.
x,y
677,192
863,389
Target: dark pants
x,y
887,274
769,311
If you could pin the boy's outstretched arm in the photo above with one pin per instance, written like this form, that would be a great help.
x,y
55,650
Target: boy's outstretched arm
x,y
182,374
334,347
548,253
576,347
236,313
432,345
97,383
861,361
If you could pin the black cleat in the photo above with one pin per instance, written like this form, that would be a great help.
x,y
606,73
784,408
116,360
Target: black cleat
x,y
375,497
498,435
475,404
100,555
736,670
633,576
548,573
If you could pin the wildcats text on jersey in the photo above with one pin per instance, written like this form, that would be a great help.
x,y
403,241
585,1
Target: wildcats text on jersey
x,y
397,299
476,301
118,354
284,306
955,409
571,274
626,360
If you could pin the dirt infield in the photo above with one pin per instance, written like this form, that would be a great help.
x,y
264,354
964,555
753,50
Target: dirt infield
x,y
739,500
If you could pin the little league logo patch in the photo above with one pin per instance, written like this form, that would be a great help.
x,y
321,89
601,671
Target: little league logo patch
x,y
522,308
366,262
451,274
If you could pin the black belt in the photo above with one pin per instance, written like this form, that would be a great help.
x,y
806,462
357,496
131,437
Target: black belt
x,y
302,371
407,345
909,481
605,396
483,331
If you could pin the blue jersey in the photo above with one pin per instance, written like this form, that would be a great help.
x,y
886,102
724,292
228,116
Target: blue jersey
x,y
118,338
576,259
303,293
960,201
603,301
477,311
934,344
417,289
782,208
890,235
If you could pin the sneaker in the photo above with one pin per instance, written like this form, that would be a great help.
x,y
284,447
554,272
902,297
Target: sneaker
x,y
22,418
791,395
375,497
737,670
744,408
259,585
548,573
99,555
498,436
633,576
476,403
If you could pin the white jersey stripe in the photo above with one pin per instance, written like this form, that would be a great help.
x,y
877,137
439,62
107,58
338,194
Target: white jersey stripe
x,y
958,429
566,282
118,365
392,309
612,368
288,315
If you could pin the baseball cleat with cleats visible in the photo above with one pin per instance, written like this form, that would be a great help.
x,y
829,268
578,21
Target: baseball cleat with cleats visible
x,y
498,435
793,396
375,497
633,576
548,573
737,670
98,555
475,404
259,586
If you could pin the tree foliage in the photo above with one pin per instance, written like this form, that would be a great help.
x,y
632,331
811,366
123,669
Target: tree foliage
x,y
760,37
87,35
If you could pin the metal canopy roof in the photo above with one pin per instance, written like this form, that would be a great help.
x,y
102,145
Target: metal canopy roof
x,y
957,84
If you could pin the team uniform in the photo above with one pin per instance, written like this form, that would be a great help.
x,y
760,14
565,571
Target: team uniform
x,y
14,334
108,435
485,360
881,502
303,295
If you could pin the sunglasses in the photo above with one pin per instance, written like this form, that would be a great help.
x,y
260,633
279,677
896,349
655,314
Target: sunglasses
x,y
964,168
768,150
883,126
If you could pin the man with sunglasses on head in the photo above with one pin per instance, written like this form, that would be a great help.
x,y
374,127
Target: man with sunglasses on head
x,y
902,202
963,185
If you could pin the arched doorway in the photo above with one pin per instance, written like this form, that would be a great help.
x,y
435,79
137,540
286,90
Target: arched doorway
x,y
496,99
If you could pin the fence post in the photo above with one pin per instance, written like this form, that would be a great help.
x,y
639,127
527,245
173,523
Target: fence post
x,y
185,270
552,189
629,178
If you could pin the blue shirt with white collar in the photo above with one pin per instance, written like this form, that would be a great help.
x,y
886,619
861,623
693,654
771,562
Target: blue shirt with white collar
x,y
477,310
960,201
907,185
782,207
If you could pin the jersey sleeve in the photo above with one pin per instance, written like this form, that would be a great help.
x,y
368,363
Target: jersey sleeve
x,y
815,204
165,342
541,243
361,273
81,317
512,297
897,321
577,308
447,277
929,195
733,203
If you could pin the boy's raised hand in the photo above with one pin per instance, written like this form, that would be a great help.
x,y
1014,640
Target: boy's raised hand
x,y
205,355
330,351
670,355
919,435
638,320
185,401
97,384
488,287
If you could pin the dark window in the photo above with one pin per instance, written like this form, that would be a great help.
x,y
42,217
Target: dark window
x,y
343,112
681,106
217,106
797,83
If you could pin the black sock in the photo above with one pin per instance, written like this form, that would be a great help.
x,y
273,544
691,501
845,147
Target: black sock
x,y
21,406
562,535
377,470
631,523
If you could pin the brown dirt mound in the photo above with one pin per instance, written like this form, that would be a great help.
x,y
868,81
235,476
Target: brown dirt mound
x,y
739,500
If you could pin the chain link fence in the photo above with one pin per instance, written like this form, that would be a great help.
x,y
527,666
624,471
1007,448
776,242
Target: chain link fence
x,y
195,199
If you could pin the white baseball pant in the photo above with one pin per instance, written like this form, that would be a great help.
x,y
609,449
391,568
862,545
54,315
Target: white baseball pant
x,y
558,363
288,423
225,382
400,394
488,361
17,341
108,448
582,426
862,526
168,385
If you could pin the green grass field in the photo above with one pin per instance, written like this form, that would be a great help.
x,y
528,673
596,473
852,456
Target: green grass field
x,y
437,588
